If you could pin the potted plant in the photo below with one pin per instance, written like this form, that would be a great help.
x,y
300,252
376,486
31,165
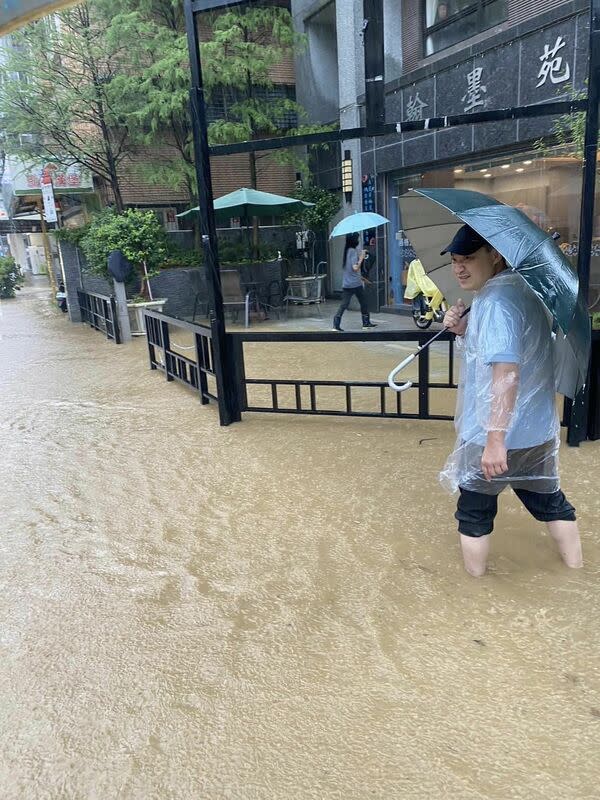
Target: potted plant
x,y
142,240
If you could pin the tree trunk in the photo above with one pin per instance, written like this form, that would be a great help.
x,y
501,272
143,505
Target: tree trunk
x,y
104,128
116,189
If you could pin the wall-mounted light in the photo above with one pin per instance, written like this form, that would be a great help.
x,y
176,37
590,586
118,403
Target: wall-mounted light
x,y
347,175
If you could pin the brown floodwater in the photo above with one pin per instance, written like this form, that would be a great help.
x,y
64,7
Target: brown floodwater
x,y
274,610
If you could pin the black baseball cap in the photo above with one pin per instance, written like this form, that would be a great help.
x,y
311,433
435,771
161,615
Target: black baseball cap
x,y
466,242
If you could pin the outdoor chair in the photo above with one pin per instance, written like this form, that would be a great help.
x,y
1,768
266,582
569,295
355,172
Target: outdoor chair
x,y
272,292
199,292
234,297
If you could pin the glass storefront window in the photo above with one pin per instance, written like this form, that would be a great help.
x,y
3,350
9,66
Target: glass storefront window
x,y
451,21
547,189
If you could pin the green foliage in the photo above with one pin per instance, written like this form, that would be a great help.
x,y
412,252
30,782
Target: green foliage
x,y
138,234
69,105
182,258
155,87
327,204
11,279
245,45
568,129
71,235
244,253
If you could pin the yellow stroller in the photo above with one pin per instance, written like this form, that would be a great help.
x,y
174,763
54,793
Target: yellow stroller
x,y
428,303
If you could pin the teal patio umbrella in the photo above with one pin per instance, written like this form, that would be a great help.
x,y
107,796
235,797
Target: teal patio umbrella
x,y
430,219
252,203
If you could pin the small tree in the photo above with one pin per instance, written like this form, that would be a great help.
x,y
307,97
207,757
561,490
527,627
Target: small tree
x,y
138,234
11,279
326,206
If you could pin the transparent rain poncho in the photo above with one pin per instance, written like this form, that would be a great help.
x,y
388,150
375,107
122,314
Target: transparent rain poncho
x,y
507,383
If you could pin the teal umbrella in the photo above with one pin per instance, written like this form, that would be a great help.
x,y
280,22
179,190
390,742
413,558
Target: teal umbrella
x,y
359,221
252,203
431,217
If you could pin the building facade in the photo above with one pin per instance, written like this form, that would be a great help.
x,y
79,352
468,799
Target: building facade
x,y
455,57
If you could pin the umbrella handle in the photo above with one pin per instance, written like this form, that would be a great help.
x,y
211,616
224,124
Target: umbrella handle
x,y
402,387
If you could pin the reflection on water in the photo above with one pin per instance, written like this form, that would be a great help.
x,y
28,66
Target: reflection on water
x,y
270,610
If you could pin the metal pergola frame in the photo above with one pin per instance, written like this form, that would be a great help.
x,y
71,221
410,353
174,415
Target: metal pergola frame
x,y
229,402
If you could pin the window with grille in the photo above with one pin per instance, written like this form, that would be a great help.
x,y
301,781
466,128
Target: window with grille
x,y
448,22
223,101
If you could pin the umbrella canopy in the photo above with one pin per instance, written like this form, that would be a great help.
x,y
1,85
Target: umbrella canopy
x,y
252,203
431,217
359,221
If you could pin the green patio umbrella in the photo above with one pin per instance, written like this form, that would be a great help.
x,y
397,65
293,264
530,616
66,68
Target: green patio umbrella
x,y
431,217
252,203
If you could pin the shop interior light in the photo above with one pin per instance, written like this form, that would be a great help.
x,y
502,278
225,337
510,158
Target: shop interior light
x,y
505,166
520,169
457,171
488,175
528,162
485,169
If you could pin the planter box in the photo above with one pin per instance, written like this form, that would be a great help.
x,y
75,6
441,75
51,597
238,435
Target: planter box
x,y
136,314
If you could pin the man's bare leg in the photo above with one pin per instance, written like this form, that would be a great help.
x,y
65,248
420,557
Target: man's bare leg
x,y
475,550
566,535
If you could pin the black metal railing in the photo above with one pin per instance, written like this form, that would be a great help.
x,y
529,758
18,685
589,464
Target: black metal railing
x,y
387,402
195,372
177,367
100,312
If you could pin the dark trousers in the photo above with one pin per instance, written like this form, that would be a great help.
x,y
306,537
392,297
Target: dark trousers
x,y
346,297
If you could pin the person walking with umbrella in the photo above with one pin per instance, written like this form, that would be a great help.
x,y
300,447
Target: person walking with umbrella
x,y
352,283
507,423
353,261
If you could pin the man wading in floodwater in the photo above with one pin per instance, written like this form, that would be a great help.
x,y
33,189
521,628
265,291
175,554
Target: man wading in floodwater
x,y
506,418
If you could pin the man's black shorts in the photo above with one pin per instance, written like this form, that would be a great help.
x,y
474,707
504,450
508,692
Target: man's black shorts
x,y
476,512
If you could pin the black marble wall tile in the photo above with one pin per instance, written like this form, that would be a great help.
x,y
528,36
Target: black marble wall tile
x,y
451,90
490,135
419,150
557,77
535,128
454,142
389,158
582,49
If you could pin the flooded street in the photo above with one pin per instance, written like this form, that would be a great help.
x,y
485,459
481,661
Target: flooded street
x,y
274,610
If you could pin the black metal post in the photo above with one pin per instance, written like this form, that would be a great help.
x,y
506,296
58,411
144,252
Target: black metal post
x,y
424,385
374,65
577,431
226,387
166,347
